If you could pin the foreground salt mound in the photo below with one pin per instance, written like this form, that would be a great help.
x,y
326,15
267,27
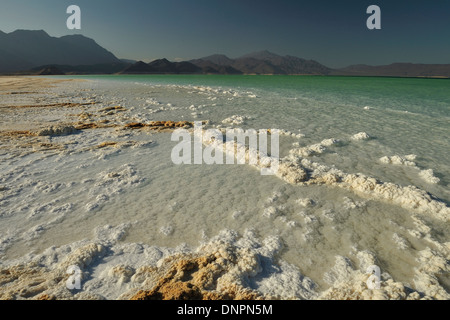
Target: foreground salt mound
x,y
221,269
349,283
228,266
356,289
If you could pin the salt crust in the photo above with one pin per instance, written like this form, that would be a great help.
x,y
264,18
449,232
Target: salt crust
x,y
296,169
111,269
408,160
236,120
116,262
349,283
361,136
317,148
110,183
56,131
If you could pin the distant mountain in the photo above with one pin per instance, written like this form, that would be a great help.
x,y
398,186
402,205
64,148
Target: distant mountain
x,y
264,55
138,67
105,68
397,70
35,52
128,61
162,66
217,59
51,70
24,49
265,62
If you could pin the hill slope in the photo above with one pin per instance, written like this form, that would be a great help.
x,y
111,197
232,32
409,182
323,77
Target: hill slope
x,y
23,50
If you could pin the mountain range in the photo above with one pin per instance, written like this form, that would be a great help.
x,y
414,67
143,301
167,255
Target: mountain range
x,y
24,50
35,52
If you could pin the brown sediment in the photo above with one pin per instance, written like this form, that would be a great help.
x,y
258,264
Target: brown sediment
x,y
106,144
135,125
19,92
27,138
24,136
32,281
46,297
82,116
41,146
93,125
159,125
52,105
180,277
115,108
195,279
23,282
16,133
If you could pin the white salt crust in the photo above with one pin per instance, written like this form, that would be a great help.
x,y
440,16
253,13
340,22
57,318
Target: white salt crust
x,y
427,174
295,169
111,269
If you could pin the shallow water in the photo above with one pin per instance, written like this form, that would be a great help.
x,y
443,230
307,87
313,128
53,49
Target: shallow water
x,y
54,198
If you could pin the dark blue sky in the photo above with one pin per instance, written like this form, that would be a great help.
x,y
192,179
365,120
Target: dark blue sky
x,y
331,32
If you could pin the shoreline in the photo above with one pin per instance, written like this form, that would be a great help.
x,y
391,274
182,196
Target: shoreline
x,y
232,75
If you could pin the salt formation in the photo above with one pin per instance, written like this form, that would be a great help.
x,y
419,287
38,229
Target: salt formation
x,y
351,204
248,155
56,131
355,288
398,160
361,136
408,197
305,202
317,148
427,175
296,170
229,266
288,133
270,212
433,263
166,230
350,283
235,120
110,183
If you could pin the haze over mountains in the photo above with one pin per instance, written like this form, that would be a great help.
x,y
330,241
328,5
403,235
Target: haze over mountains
x,y
36,52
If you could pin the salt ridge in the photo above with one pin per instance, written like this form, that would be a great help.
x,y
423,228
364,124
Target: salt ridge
x,y
296,169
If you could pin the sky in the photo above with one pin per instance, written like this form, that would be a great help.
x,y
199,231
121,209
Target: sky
x,y
333,33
